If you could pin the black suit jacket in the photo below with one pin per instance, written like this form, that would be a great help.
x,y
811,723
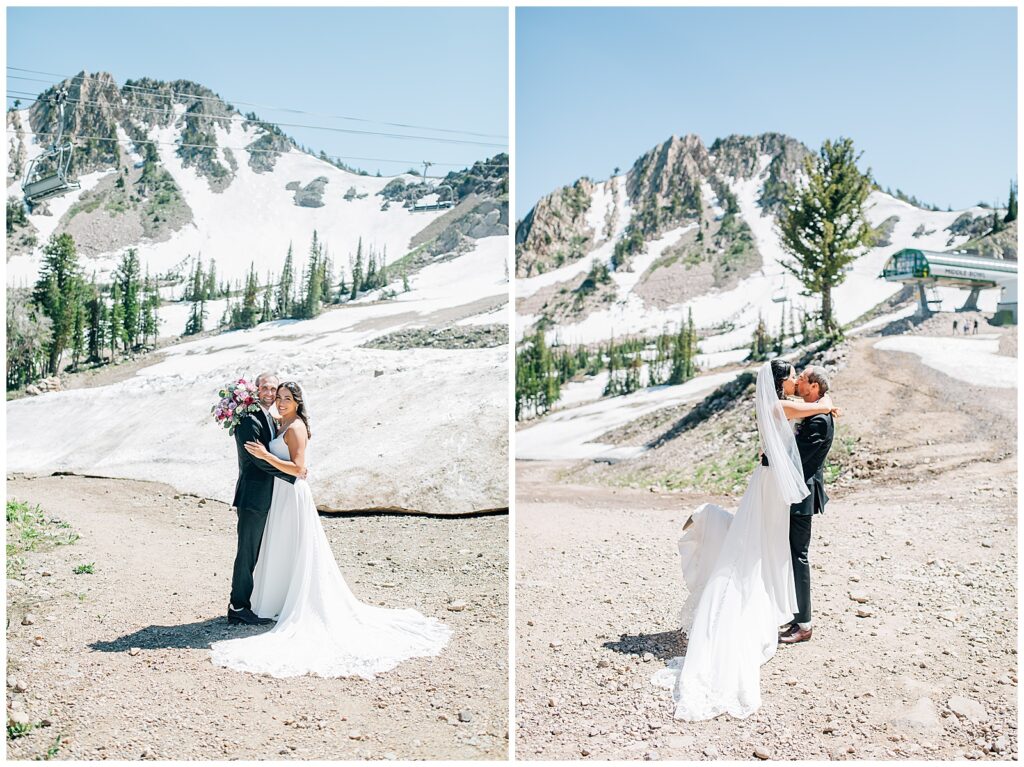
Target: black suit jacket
x,y
814,440
255,486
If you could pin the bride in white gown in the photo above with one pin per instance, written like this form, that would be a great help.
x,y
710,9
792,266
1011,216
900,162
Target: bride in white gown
x,y
739,570
322,628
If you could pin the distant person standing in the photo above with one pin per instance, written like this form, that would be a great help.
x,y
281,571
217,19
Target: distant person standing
x,y
954,327
975,326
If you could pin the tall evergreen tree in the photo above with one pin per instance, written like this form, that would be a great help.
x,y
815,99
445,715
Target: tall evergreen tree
x,y
313,299
115,333
370,281
684,349
266,308
58,293
197,286
150,311
210,289
196,318
382,272
1011,206
761,344
823,223
129,276
357,271
247,314
96,309
285,287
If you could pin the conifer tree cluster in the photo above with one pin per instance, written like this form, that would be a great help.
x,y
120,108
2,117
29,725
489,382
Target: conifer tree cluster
x,y
66,320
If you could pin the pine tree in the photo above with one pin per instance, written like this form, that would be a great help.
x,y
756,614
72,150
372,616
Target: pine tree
x,y
537,381
405,283
1011,207
96,309
614,386
197,288
760,345
684,351
128,275
370,281
115,334
313,289
210,289
266,309
342,293
248,313
382,273
79,342
357,270
823,223
196,318
58,293
150,316
285,286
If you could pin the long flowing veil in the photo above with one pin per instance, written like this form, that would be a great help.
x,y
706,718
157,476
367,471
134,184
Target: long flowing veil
x,y
777,438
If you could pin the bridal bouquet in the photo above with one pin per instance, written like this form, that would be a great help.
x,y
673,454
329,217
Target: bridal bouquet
x,y
237,399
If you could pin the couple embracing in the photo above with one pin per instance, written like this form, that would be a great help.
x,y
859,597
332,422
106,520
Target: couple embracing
x,y
747,573
285,571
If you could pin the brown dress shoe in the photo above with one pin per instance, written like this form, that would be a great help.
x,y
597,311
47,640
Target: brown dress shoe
x,y
794,635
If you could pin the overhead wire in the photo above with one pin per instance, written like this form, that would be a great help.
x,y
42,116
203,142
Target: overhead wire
x,y
130,140
350,131
170,93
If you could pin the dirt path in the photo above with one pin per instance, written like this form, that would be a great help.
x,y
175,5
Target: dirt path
x,y
931,536
162,573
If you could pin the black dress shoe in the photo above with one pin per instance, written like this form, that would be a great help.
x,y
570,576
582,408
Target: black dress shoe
x,y
246,616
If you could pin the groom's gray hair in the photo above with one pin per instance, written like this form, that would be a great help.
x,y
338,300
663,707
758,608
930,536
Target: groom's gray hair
x,y
816,374
261,376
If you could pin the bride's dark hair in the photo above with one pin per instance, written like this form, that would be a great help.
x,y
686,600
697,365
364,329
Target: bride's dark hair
x,y
300,404
780,372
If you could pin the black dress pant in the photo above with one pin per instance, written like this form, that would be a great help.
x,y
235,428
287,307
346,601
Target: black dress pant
x,y
799,542
251,524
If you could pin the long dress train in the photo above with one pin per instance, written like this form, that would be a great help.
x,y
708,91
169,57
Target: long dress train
x,y
322,628
739,573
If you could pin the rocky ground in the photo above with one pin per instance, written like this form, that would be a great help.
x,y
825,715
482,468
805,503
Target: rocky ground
x,y
114,664
452,337
914,574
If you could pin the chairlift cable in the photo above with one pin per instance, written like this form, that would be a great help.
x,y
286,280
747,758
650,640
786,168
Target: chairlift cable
x,y
130,140
170,93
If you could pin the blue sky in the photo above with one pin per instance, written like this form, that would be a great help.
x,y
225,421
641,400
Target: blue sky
x,y
443,68
928,94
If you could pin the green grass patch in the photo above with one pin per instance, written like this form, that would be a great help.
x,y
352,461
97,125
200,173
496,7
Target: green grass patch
x,y
85,206
18,730
28,529
53,749
85,569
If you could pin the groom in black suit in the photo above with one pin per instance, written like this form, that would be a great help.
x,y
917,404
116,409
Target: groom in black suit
x,y
253,493
813,439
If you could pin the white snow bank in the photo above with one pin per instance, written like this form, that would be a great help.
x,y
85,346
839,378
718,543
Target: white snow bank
x,y
429,433
973,360
567,434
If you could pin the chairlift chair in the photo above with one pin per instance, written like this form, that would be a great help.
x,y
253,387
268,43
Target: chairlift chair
x,y
779,296
47,174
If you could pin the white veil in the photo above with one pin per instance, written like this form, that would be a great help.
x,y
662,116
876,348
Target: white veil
x,y
777,438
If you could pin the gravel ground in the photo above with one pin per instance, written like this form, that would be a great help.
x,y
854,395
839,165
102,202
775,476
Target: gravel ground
x,y
922,665
161,577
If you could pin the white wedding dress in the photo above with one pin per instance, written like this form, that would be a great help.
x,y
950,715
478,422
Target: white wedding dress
x,y
322,629
739,572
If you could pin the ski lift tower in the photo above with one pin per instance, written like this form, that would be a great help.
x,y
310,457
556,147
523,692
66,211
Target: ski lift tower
x,y
47,175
